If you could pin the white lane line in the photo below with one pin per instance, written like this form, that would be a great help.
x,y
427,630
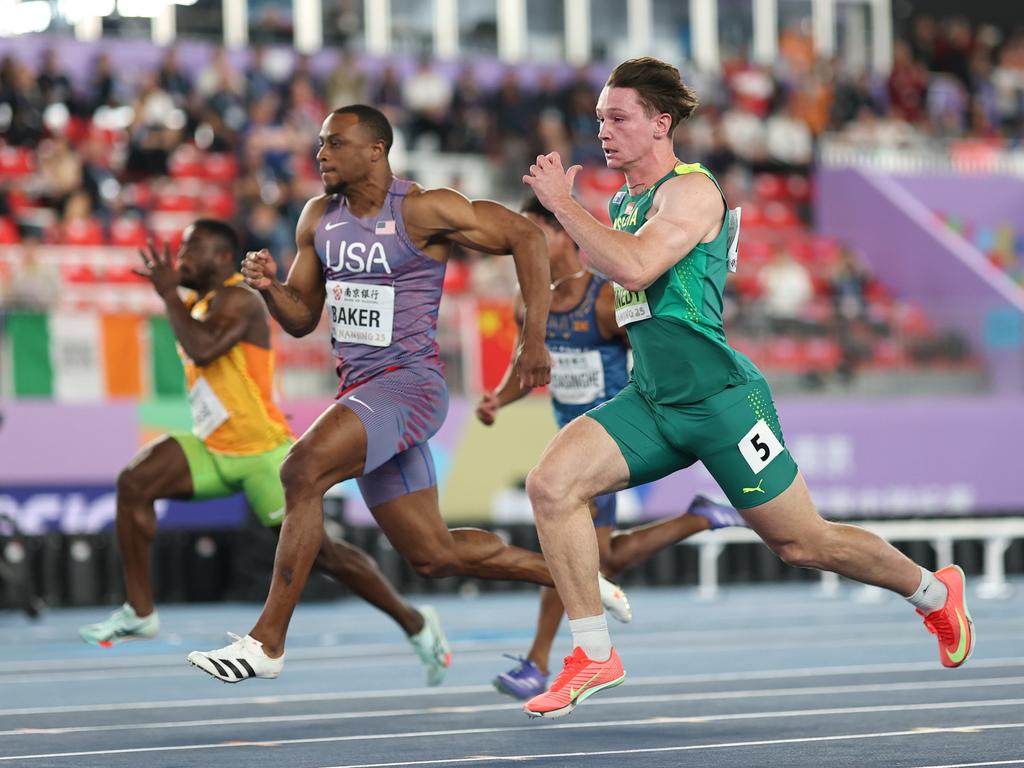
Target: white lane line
x,y
781,638
687,748
470,709
656,721
975,765
404,693
478,731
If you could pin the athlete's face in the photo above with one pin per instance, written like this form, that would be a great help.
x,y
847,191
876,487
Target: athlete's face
x,y
346,152
199,261
625,129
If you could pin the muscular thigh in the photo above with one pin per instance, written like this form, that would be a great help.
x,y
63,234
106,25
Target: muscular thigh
x,y
407,472
583,461
413,524
259,478
331,450
163,467
737,436
398,409
632,426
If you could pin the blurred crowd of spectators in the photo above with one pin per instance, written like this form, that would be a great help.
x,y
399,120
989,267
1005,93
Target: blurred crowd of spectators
x,y
106,147
95,134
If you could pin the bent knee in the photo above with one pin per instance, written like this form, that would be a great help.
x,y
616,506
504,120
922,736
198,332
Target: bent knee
x,y
544,486
802,553
132,487
437,566
299,476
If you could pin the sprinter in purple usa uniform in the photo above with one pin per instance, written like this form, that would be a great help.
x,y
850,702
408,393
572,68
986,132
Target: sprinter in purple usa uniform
x,y
373,248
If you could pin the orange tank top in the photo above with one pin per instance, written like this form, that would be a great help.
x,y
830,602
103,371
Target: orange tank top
x,y
233,408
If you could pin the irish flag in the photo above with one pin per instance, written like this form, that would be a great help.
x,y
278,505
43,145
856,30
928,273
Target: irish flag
x,y
75,357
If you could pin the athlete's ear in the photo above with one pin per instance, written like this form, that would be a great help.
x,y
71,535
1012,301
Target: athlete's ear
x,y
662,125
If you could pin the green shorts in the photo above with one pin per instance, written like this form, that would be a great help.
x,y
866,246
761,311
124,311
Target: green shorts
x,y
257,476
735,434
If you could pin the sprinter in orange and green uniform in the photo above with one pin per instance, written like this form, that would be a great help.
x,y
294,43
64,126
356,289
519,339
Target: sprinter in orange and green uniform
x,y
238,442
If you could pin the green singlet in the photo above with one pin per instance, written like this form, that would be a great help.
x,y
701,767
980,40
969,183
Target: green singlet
x,y
691,397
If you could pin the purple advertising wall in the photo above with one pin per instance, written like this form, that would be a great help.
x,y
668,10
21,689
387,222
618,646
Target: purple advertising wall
x,y
869,458
919,259
892,457
985,201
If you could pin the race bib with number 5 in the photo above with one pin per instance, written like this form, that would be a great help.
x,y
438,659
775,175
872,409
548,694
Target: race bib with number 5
x,y
760,446
630,306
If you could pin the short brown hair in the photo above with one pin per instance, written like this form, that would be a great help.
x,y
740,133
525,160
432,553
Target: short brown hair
x,y
660,87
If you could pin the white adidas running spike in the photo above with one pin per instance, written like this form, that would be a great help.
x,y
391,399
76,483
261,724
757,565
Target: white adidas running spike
x,y
614,600
241,660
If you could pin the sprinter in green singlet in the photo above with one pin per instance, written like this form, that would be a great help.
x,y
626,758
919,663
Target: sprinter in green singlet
x,y
691,397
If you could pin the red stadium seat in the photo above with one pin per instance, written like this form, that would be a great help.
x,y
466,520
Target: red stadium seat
x,y
173,199
456,277
220,167
77,273
770,186
785,353
798,188
821,354
87,232
781,216
187,163
888,354
16,161
219,202
128,232
799,246
8,232
753,215
824,250
123,273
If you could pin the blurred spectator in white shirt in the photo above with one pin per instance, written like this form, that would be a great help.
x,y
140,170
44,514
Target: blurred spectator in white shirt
x,y
34,283
427,96
346,84
787,289
788,140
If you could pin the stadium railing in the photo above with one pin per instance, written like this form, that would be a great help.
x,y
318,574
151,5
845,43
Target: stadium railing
x,y
997,533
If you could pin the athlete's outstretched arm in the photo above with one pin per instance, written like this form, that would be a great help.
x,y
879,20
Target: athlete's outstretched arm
x,y
687,208
231,311
298,302
492,228
509,389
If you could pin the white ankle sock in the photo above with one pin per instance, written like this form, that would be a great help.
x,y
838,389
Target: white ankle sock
x,y
591,634
930,595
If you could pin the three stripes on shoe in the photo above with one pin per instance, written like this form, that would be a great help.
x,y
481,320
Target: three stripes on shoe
x,y
222,665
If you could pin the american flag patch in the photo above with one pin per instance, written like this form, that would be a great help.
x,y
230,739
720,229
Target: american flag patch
x,y
385,227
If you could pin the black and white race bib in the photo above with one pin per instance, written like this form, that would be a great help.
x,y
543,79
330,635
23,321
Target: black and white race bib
x,y
577,378
361,314
760,446
208,412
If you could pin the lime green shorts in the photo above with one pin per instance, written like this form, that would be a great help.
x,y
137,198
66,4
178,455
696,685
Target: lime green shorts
x,y
257,476
735,434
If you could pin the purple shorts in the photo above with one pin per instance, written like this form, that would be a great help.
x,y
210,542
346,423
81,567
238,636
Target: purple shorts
x,y
400,410
606,509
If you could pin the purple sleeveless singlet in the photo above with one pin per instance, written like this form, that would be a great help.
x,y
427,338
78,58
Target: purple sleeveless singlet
x,y
382,300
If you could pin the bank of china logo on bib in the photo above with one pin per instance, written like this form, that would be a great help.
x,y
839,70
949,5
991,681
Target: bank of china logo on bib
x,y
337,292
